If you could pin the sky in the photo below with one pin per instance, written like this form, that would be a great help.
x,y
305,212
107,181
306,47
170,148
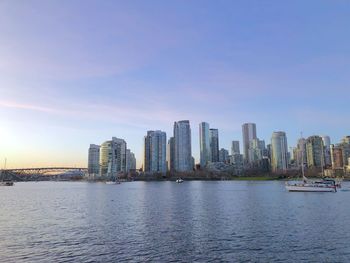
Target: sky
x,y
79,72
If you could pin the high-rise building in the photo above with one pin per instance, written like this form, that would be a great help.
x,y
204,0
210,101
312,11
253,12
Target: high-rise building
x,y
235,148
315,152
171,154
256,150
345,144
214,144
337,156
94,159
204,144
279,151
346,140
327,150
249,133
183,150
223,155
300,153
113,157
155,152
130,160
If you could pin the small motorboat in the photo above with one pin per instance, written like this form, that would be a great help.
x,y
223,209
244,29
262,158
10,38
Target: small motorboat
x,y
179,180
112,182
6,183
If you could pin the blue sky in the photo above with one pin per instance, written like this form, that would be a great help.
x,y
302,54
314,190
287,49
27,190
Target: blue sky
x,y
79,72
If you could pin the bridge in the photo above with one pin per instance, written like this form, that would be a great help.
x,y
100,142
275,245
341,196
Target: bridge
x,y
40,173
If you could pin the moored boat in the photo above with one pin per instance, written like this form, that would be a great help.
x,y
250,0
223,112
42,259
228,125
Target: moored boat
x,y
306,185
311,187
6,183
112,182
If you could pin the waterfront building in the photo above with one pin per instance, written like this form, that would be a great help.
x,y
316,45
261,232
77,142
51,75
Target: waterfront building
x,y
204,144
268,151
279,152
155,152
183,150
214,144
337,157
346,140
235,148
130,161
113,157
315,151
171,154
249,133
94,160
237,161
345,144
300,153
327,150
223,155
256,150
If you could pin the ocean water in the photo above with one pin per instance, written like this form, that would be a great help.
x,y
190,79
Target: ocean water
x,y
198,221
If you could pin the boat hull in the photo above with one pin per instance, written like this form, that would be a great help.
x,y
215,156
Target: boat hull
x,y
112,182
300,188
6,183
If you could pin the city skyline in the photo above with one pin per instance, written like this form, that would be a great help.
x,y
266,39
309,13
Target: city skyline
x,y
69,79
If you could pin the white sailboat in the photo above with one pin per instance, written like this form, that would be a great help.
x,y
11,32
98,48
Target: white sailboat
x,y
307,185
114,180
4,182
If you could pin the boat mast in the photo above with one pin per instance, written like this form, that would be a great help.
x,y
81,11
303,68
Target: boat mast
x,y
1,177
302,157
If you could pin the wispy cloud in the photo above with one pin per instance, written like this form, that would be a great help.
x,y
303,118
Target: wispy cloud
x,y
16,105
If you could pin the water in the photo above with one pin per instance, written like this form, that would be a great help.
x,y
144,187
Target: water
x,y
169,222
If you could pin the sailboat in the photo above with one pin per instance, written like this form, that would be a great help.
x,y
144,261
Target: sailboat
x,y
113,181
306,185
4,182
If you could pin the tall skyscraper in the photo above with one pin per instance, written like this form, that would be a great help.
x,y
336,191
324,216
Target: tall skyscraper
x,y
155,152
300,153
337,156
279,151
235,148
345,144
315,151
327,150
183,150
130,160
171,154
249,133
113,157
94,159
204,144
256,150
214,144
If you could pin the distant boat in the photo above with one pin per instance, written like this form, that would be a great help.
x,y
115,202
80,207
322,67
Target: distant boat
x,y
306,185
113,181
4,182
310,186
179,180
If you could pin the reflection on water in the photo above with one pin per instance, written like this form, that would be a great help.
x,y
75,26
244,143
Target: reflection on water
x,y
165,221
